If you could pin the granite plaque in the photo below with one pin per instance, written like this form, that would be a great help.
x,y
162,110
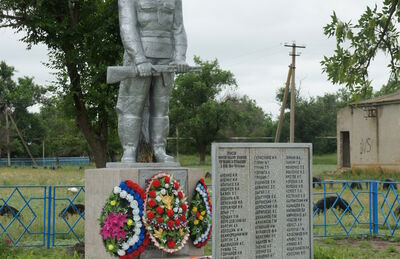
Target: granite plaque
x,y
262,200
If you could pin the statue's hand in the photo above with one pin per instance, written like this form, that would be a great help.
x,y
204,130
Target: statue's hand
x,y
144,69
181,66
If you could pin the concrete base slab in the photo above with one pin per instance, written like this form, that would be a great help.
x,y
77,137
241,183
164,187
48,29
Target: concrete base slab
x,y
99,184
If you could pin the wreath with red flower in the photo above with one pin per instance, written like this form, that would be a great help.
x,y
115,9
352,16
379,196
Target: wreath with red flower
x,y
200,219
165,213
122,229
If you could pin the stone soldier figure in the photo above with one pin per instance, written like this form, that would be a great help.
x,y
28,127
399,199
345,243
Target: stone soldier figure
x,y
152,33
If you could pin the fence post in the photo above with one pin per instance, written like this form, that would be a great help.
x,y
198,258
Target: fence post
x,y
325,230
49,220
375,206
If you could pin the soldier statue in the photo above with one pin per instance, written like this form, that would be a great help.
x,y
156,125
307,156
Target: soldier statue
x,y
152,34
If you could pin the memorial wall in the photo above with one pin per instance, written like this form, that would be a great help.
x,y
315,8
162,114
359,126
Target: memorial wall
x,y
262,200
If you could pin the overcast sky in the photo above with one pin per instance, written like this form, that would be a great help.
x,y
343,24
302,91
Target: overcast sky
x,y
247,37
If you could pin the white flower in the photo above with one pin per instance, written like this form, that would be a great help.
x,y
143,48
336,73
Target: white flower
x,y
195,242
197,189
125,246
121,252
163,191
158,198
139,224
129,198
176,210
137,230
166,186
123,194
131,242
175,193
135,238
136,218
135,211
150,228
135,203
117,189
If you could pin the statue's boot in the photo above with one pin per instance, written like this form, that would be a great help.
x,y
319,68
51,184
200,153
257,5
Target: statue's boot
x,y
159,132
129,131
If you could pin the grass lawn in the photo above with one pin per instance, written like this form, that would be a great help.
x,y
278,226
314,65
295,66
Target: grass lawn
x,y
324,166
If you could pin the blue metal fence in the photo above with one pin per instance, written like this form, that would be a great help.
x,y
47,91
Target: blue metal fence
x,y
48,161
344,208
42,216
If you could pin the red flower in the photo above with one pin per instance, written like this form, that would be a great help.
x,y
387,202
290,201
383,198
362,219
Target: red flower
x,y
176,185
170,213
136,253
183,217
129,183
202,181
123,257
170,223
197,215
171,244
156,183
141,249
180,195
152,194
177,222
166,179
150,215
160,210
146,241
130,256
184,206
160,220
152,203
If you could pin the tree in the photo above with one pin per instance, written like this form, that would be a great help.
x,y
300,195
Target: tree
x,y
195,108
358,44
245,119
82,38
18,97
315,121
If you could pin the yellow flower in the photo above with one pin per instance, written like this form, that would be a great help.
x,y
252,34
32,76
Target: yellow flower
x,y
130,222
196,222
194,209
113,203
203,213
110,247
201,217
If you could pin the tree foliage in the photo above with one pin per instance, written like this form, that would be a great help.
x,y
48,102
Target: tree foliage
x,y
83,39
358,44
17,96
195,108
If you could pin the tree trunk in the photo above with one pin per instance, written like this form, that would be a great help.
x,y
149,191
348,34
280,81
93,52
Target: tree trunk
x,y
97,143
202,150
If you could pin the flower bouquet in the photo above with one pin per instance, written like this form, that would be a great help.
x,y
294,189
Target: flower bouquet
x,y
121,224
200,219
165,213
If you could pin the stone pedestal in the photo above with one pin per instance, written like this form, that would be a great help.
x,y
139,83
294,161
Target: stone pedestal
x,y
99,184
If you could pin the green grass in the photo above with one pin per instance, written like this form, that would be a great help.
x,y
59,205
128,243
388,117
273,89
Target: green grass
x,y
324,166
328,159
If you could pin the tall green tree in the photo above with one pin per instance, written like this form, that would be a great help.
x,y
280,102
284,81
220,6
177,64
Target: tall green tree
x,y
245,119
195,108
377,30
83,39
17,97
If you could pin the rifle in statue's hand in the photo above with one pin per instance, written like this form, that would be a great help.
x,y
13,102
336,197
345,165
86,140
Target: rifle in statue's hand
x,y
121,73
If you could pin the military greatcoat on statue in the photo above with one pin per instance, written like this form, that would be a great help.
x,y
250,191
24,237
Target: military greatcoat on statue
x,y
152,33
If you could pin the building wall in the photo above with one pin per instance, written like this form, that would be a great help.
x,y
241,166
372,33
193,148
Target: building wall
x,y
374,141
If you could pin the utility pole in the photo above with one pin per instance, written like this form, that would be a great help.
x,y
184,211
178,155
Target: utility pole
x,y
293,87
7,137
278,130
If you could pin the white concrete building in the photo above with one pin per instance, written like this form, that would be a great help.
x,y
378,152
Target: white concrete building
x,y
368,134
